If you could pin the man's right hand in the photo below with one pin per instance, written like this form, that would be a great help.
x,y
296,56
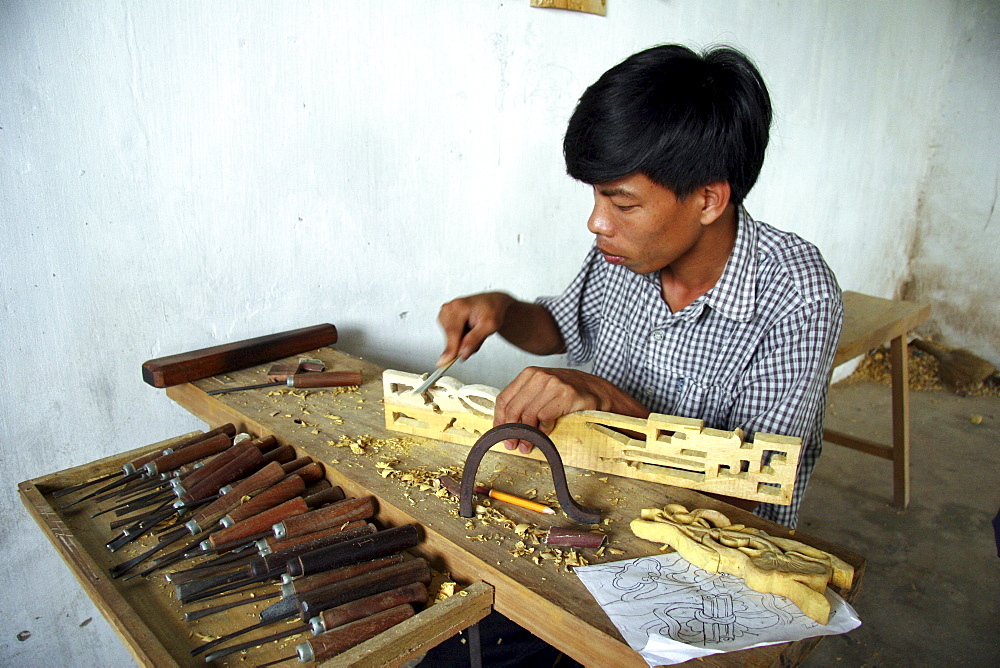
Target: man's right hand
x,y
469,321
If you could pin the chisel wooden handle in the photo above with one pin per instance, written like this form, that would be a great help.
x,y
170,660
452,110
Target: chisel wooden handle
x,y
178,458
215,511
139,462
347,510
197,468
185,367
325,379
341,639
242,465
298,586
368,606
376,581
258,523
297,464
311,472
279,560
283,454
272,544
289,488
381,544
316,601
329,495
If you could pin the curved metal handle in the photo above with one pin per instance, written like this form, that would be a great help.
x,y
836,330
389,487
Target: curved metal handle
x,y
523,432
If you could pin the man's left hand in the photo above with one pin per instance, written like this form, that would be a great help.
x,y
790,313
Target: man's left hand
x,y
540,396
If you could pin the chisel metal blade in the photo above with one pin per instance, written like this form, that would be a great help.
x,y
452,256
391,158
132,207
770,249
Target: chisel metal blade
x,y
433,378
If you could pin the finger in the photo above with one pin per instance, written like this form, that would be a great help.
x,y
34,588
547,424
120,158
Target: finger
x,y
453,318
504,412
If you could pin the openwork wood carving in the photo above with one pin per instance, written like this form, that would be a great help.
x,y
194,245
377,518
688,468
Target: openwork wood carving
x,y
767,564
662,448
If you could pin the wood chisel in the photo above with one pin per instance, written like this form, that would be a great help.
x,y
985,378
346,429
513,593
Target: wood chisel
x,y
304,380
433,378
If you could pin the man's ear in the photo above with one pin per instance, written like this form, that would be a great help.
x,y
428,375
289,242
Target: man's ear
x,y
714,200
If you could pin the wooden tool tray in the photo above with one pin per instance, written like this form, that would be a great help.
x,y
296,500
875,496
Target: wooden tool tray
x,y
149,620
345,430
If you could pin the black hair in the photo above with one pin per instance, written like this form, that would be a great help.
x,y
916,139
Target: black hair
x,y
683,119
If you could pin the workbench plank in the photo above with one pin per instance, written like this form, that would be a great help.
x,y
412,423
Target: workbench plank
x,y
548,600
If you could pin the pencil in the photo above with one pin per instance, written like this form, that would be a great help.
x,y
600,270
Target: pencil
x,y
518,501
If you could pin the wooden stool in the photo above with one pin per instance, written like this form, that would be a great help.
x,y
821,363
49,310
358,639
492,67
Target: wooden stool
x,y
868,323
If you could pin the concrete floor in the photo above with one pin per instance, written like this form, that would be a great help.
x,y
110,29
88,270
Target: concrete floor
x,y
931,593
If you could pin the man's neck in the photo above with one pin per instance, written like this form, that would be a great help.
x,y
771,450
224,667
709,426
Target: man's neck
x,y
698,270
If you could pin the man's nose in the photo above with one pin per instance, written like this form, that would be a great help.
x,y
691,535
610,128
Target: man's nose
x,y
600,222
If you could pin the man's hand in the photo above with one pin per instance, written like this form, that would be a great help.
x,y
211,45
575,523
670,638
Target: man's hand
x,y
539,396
469,321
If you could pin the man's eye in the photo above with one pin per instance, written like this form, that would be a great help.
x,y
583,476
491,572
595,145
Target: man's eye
x,y
625,207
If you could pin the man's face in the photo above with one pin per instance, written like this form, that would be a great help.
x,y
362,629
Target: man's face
x,y
642,225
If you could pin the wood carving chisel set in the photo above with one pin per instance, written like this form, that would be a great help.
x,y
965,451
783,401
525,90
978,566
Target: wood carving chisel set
x,y
261,524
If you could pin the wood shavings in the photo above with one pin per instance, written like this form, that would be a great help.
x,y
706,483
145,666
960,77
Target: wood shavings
x,y
445,591
922,368
565,559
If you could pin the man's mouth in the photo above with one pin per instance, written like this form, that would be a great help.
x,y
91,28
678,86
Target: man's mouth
x,y
611,258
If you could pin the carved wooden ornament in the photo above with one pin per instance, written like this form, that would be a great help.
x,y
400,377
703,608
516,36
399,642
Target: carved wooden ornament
x,y
766,563
662,448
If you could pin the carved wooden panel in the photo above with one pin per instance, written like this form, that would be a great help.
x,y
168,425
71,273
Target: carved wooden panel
x,y
662,448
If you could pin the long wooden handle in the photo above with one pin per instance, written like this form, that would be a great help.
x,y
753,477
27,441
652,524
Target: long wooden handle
x,y
185,367
273,496
325,379
242,465
377,545
191,453
323,497
140,461
272,544
368,606
266,444
310,582
258,523
279,560
341,639
282,454
262,479
347,510
314,602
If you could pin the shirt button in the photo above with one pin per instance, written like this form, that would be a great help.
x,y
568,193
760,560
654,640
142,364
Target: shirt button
x,y
648,390
658,335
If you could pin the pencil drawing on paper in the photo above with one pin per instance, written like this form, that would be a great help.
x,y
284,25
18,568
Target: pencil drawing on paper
x,y
690,605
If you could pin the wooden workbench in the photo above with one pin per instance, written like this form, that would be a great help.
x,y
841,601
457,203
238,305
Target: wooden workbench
x,y
548,600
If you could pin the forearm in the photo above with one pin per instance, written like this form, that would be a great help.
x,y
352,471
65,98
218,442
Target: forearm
x,y
532,328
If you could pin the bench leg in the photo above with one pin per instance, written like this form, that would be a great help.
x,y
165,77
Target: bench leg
x,y
900,422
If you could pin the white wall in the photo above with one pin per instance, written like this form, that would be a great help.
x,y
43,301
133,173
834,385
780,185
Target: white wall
x,y
954,263
177,175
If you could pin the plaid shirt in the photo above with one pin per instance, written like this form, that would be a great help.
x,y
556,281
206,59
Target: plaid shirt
x,y
753,352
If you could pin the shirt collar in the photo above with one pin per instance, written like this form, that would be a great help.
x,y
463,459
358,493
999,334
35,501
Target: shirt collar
x,y
734,294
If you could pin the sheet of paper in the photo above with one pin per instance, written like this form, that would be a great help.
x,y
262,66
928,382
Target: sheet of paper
x,y
670,611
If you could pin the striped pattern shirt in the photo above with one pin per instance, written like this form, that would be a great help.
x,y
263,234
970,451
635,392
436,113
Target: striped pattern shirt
x,y
753,352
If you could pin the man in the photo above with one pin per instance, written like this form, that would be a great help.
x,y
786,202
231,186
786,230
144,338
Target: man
x,y
685,305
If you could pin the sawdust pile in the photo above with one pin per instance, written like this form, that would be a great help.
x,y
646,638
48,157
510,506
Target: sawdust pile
x,y
923,371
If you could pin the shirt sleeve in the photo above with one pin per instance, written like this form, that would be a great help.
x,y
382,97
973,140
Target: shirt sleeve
x,y
784,389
